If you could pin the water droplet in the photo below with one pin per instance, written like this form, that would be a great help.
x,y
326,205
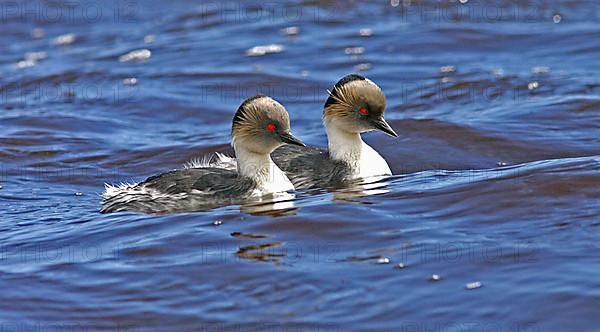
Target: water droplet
x,y
400,266
540,70
261,50
362,66
36,56
354,50
557,18
38,33
473,285
290,31
395,3
25,64
447,69
149,39
435,277
78,194
533,85
463,1
365,32
383,260
137,55
217,222
130,81
66,39
501,164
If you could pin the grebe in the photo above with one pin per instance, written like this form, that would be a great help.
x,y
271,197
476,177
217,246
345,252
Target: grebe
x,y
260,125
355,105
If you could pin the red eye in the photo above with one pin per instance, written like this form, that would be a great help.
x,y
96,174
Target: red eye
x,y
363,111
271,128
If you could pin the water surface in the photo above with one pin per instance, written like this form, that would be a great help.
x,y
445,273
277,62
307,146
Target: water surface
x,y
497,167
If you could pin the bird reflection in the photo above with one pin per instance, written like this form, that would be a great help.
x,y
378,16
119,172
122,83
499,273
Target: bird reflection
x,y
275,205
363,188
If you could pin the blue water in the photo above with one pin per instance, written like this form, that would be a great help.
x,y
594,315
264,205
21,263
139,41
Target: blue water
x,y
497,105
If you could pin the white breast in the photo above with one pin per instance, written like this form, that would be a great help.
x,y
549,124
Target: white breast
x,y
277,182
371,163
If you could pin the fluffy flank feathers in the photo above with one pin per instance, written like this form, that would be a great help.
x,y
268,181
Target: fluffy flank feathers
x,y
217,160
111,190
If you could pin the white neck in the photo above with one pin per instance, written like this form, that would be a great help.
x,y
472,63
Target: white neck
x,y
261,168
349,147
344,145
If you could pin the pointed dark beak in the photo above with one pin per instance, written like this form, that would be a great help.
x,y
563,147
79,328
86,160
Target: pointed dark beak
x,y
384,126
290,139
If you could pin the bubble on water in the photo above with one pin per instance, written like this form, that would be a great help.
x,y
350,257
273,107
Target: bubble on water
x,y
463,1
130,81
149,39
36,56
290,31
354,50
501,164
395,3
304,73
25,64
362,66
383,260
78,194
400,266
366,32
447,69
473,285
499,72
38,33
435,277
217,222
261,50
557,18
533,85
540,70
66,39
1,187
137,55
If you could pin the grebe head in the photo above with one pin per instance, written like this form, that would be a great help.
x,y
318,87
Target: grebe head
x,y
261,125
356,105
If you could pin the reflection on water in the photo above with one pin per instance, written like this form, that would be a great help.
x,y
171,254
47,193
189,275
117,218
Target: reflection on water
x,y
277,204
364,187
